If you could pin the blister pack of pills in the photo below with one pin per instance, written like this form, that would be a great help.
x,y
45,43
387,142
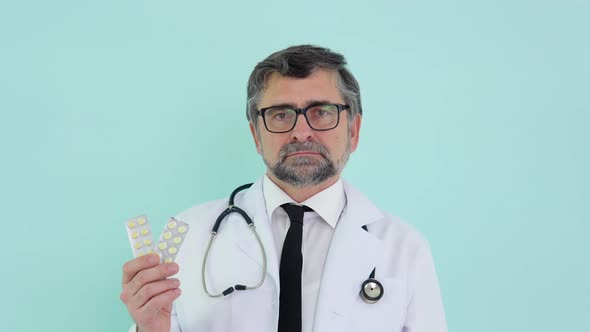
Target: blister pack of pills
x,y
171,239
140,236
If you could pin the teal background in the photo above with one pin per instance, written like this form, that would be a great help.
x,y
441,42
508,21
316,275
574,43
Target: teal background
x,y
475,131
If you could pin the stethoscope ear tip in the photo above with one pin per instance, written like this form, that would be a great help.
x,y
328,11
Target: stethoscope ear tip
x,y
232,289
228,291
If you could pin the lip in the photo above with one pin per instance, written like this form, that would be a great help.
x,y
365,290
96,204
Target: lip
x,y
304,153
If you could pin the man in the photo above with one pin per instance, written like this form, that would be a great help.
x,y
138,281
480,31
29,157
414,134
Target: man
x,y
321,239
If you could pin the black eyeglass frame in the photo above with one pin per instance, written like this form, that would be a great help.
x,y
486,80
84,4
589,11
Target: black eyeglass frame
x,y
303,111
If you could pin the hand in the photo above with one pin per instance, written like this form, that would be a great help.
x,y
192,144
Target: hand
x,y
147,293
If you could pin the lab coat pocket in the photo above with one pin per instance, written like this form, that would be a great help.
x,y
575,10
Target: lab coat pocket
x,y
255,310
387,314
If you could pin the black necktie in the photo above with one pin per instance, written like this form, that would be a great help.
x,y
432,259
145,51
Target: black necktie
x,y
290,271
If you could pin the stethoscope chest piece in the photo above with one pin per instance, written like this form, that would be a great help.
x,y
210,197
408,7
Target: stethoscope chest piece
x,y
371,291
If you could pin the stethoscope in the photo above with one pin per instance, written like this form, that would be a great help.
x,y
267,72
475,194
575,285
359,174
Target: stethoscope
x,y
371,289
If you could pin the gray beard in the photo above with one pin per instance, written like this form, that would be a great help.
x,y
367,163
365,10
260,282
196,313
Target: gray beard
x,y
306,171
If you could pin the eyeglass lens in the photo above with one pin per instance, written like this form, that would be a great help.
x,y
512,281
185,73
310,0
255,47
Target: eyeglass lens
x,y
282,119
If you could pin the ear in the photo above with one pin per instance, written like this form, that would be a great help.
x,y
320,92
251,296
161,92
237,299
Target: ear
x,y
255,136
355,128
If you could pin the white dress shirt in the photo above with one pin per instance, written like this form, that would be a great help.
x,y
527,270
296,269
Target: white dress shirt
x,y
318,228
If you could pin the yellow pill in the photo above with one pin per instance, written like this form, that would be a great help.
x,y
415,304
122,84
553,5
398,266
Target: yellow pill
x,y
150,251
172,225
162,245
168,260
167,235
145,231
182,229
172,250
141,221
140,254
137,245
147,242
134,235
177,240
131,224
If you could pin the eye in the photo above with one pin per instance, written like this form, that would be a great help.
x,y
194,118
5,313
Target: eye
x,y
323,111
279,114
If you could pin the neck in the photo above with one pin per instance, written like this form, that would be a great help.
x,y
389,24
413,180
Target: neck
x,y
299,194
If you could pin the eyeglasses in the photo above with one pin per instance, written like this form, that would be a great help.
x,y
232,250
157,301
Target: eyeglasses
x,y
321,117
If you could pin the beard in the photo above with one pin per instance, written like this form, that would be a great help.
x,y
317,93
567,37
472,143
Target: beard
x,y
306,171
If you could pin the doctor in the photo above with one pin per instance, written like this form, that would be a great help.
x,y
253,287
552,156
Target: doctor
x,y
322,239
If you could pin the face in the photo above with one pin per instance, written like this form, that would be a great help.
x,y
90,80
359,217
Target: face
x,y
305,157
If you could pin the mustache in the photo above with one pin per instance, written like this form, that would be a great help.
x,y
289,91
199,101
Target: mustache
x,y
305,146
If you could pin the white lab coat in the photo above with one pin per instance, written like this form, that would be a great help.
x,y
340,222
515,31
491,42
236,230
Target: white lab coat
x,y
401,257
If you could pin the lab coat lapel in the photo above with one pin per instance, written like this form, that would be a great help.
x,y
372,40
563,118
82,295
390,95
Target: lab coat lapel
x,y
352,256
252,202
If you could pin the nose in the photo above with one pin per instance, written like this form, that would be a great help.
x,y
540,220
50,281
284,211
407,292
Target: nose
x,y
302,131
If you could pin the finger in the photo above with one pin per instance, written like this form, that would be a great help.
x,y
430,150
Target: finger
x,y
160,301
168,308
152,289
155,273
132,267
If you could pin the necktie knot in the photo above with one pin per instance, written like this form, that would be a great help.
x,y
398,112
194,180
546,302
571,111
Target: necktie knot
x,y
295,212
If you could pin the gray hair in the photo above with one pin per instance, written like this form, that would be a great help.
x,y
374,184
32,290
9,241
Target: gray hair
x,y
300,62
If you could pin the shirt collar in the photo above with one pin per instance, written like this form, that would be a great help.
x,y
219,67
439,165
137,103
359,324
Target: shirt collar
x,y
328,204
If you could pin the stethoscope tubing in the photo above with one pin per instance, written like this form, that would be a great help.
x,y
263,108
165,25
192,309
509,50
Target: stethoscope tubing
x,y
369,286
232,208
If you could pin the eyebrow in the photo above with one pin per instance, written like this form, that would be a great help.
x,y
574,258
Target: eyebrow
x,y
308,103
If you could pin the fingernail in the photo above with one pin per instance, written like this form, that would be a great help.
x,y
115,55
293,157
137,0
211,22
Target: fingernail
x,y
171,267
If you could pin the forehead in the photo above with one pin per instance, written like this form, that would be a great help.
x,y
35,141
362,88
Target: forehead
x,y
321,85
